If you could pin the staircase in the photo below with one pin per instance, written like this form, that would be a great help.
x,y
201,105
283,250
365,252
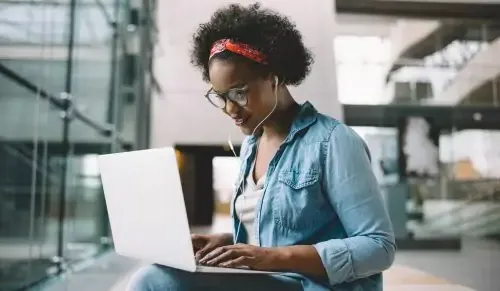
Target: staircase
x,y
473,210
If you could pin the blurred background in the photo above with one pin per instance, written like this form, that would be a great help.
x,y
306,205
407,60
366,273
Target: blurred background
x,y
419,80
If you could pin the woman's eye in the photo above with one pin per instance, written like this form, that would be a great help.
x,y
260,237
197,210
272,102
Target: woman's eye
x,y
242,89
238,94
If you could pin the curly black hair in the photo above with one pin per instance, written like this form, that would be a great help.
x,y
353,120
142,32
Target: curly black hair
x,y
265,30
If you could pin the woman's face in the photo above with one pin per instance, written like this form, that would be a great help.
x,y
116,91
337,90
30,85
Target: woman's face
x,y
226,76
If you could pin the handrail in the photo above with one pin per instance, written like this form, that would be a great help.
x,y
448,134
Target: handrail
x,y
105,13
27,160
484,221
106,129
30,86
464,204
495,221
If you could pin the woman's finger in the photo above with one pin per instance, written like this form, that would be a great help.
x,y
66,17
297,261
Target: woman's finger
x,y
237,263
212,254
225,256
200,255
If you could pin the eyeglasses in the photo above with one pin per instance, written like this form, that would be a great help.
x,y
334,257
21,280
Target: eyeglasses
x,y
236,95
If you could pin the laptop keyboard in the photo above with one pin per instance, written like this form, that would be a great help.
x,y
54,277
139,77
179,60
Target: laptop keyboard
x,y
204,265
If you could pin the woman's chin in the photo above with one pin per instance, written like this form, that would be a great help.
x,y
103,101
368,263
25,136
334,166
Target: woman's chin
x,y
246,130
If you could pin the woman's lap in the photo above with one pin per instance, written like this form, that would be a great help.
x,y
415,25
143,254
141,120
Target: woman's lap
x,y
156,278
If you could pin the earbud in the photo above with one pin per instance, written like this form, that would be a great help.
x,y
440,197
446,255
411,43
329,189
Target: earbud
x,y
276,80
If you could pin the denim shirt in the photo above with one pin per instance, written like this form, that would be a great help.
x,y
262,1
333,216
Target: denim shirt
x,y
320,190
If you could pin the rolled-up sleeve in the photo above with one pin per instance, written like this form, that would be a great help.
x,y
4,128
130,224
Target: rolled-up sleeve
x,y
353,191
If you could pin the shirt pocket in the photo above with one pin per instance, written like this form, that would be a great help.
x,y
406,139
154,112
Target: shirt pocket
x,y
298,202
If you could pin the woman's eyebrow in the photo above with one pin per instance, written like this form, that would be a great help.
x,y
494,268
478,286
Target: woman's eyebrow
x,y
237,85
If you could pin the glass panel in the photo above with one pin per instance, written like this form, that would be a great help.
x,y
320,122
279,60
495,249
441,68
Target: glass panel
x,y
91,68
84,223
30,130
34,37
33,24
47,23
34,47
29,188
47,73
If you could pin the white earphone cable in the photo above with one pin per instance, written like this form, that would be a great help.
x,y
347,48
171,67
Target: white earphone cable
x,y
253,133
275,104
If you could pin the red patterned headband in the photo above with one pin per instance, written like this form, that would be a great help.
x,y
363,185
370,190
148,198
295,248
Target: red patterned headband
x,y
237,48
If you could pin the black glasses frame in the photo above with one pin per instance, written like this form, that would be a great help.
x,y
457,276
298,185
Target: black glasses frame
x,y
228,95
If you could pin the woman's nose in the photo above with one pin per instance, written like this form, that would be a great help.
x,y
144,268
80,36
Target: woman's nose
x,y
231,107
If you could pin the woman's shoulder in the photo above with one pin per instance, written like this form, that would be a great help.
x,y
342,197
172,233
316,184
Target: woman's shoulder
x,y
332,128
339,134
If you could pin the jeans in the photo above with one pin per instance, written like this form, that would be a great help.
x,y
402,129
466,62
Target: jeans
x,y
159,278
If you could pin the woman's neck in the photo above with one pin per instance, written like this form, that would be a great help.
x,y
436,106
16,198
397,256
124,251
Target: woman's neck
x,y
281,120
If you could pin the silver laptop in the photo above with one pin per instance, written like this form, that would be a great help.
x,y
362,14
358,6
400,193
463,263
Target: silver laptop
x,y
147,212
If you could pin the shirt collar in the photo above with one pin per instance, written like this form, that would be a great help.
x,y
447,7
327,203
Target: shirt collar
x,y
305,118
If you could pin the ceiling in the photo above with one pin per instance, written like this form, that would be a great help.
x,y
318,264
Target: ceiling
x,y
423,9
363,25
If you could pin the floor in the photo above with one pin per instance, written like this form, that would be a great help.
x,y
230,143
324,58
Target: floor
x,y
108,273
477,266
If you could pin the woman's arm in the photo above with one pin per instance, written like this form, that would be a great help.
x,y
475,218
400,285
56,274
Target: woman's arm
x,y
354,193
302,259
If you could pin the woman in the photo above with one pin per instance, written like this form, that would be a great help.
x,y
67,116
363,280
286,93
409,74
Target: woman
x,y
307,202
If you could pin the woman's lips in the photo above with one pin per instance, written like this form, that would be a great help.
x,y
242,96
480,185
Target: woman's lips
x,y
240,121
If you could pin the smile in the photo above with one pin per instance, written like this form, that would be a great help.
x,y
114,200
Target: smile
x,y
240,121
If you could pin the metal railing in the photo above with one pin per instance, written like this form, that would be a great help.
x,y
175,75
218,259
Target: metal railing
x,y
64,103
468,193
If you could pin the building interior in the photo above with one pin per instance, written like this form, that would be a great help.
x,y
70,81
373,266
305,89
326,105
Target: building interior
x,y
107,76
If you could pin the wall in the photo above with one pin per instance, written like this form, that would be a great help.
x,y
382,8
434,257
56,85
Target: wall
x,y
363,25
182,115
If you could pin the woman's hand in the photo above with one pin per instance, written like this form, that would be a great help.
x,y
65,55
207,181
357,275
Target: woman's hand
x,y
203,244
302,259
243,255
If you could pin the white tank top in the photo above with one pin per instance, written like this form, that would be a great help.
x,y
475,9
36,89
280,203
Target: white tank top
x,y
246,205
